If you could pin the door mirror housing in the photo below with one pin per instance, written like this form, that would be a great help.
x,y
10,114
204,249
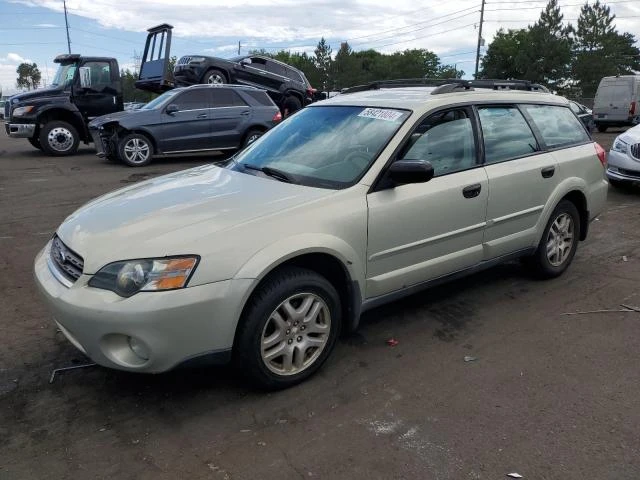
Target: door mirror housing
x,y
172,108
245,61
402,172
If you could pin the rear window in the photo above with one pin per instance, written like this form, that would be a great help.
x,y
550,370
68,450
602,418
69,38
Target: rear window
x,y
558,125
261,97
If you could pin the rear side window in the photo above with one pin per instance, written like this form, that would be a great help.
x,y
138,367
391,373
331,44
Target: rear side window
x,y
294,75
558,126
276,68
506,134
261,97
445,139
193,99
224,97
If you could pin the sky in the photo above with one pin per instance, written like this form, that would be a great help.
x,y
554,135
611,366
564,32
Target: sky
x,y
34,30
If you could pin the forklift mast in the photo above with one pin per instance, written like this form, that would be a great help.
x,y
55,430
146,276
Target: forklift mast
x,y
154,69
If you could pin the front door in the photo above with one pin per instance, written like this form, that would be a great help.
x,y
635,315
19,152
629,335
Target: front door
x,y
94,91
419,232
188,129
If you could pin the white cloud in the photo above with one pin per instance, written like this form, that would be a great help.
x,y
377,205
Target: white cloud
x,y
45,25
14,58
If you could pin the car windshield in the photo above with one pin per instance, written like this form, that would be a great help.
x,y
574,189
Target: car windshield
x,y
158,101
326,147
64,75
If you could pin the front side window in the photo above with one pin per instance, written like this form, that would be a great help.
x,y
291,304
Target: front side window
x,y
326,147
445,140
506,133
558,126
193,100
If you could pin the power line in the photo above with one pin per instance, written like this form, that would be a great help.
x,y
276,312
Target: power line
x,y
426,36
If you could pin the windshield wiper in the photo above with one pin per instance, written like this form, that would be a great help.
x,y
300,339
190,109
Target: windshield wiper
x,y
272,172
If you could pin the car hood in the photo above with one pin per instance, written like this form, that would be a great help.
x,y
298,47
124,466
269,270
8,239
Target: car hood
x,y
40,93
631,136
164,215
125,115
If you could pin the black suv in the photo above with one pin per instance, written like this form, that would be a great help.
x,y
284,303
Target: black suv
x,y
287,86
199,118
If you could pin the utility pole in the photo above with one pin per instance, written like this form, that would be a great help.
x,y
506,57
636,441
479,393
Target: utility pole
x,y
66,21
480,40
238,47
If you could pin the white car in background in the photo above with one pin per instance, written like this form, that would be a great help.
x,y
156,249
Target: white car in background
x,y
623,163
350,203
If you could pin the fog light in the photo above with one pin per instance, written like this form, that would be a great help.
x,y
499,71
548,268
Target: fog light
x,y
139,348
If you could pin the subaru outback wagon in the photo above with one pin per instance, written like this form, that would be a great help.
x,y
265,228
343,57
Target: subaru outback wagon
x,y
352,202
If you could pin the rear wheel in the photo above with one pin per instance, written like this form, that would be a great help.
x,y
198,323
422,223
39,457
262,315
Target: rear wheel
x,y
559,241
59,138
291,105
250,137
289,328
35,141
602,128
214,77
135,150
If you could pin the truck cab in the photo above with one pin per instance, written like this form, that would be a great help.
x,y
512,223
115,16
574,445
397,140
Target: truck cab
x,y
55,119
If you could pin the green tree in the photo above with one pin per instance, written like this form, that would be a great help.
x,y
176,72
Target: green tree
x,y
599,50
28,76
129,91
323,62
506,57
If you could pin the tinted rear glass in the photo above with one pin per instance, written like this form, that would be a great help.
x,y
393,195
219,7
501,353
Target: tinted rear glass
x,y
261,97
557,125
226,98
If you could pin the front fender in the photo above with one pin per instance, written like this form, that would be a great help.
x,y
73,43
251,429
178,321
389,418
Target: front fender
x,y
267,259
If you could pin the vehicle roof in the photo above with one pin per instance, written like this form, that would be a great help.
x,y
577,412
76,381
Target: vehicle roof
x,y
420,98
223,85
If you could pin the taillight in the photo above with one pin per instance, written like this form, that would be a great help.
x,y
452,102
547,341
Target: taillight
x,y
602,155
311,92
277,117
632,108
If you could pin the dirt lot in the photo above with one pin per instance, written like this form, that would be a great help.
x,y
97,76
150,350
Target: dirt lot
x,y
550,396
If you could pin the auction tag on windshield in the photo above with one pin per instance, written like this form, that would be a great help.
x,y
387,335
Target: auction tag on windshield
x,y
381,114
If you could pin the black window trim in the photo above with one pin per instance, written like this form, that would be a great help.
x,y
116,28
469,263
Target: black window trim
x,y
379,183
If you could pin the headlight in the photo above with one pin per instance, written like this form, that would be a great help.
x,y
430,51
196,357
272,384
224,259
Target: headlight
x,y
196,59
620,146
146,275
18,112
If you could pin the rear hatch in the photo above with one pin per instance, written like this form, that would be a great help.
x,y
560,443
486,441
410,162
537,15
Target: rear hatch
x,y
613,100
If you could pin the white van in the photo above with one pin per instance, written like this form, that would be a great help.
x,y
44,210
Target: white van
x,y
617,102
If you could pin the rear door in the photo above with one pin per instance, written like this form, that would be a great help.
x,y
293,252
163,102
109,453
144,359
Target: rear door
x,y
188,129
256,74
613,99
521,178
230,117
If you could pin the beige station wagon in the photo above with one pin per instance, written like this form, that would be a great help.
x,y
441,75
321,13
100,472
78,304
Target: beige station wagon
x,y
350,203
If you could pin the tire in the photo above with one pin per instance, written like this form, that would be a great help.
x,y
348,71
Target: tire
x,y
602,128
59,139
214,76
549,262
290,105
302,291
135,149
35,141
251,136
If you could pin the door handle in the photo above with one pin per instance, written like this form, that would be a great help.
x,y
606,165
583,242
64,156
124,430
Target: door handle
x,y
246,112
548,172
202,115
472,191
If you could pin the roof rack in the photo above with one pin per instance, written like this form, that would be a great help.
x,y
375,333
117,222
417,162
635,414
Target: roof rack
x,y
224,85
449,85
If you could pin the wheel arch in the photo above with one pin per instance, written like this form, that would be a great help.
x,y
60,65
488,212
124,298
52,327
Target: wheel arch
x,y
57,113
572,189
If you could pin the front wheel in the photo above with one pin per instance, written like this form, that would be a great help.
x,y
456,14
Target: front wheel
x,y
559,241
602,128
289,328
59,139
135,150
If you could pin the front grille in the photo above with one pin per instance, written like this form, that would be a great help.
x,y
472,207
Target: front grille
x,y
184,60
635,150
68,262
629,173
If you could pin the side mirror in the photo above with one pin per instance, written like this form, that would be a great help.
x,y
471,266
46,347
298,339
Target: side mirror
x,y
172,108
410,171
245,61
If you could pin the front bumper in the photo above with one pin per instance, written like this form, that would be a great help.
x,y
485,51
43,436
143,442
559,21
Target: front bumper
x,y
621,166
172,327
188,74
20,130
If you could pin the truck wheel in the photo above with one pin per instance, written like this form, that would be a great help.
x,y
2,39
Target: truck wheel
x,y
289,328
35,141
214,77
291,105
59,139
135,150
602,128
